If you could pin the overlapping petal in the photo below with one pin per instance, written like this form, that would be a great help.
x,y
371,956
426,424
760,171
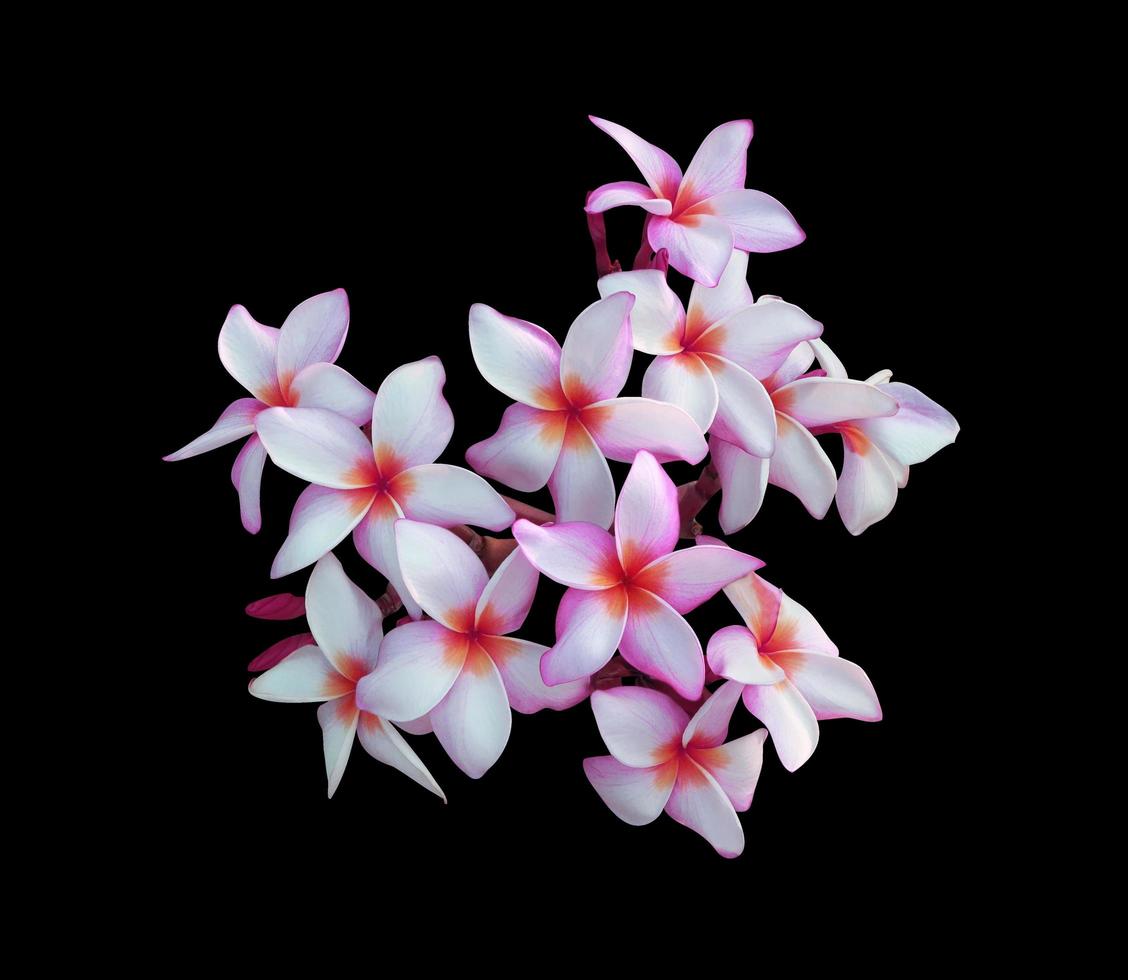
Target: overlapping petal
x,y
518,358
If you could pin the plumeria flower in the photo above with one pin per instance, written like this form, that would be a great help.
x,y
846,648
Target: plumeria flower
x,y
346,625
628,592
290,366
701,217
568,421
661,759
792,675
708,360
365,487
459,668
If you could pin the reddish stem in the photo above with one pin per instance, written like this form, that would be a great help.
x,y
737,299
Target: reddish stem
x,y
529,512
692,497
642,259
598,231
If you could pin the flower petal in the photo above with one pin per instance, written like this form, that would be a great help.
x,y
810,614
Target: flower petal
x,y
235,421
709,305
833,687
518,358
473,721
596,357
687,578
699,245
685,381
314,332
507,597
745,413
635,796
735,766
828,360
581,484
785,713
640,726
442,573
920,428
758,221
657,318
743,481
698,802
623,426
411,420
284,605
710,723
867,486
660,642
375,540
576,554
277,652
305,675
417,665
438,493
321,519
801,466
523,452
798,363
720,164
324,385
797,629
381,741
518,662
758,603
248,350
319,446
246,475
823,401
621,192
733,653
657,167
589,626
346,623
646,516
760,337
338,720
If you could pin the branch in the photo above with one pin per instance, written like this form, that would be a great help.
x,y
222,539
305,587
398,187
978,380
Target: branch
x,y
692,497
598,231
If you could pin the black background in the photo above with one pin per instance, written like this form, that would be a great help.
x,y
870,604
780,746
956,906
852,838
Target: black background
x,y
419,209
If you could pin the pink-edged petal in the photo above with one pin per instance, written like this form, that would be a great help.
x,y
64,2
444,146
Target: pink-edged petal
x,y
439,493
833,687
646,515
920,428
277,652
657,640
698,802
710,723
321,519
411,420
658,168
743,479
284,605
375,540
473,721
823,401
797,629
635,796
699,245
735,766
745,413
828,360
880,377
733,653
347,624
597,352
758,221
313,333
712,304
641,727
589,626
248,350
442,573
581,484
235,421
685,381
657,318
798,362
417,665
574,554
518,662
305,675
687,578
417,726
246,476
319,446
789,719
720,164
523,452
381,741
758,603
518,358
338,720
620,192
760,337
801,466
328,386
623,426
867,486
507,597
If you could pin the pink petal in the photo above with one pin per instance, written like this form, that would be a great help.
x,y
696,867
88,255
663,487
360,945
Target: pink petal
x,y
867,486
305,675
710,723
758,603
417,665
574,554
660,642
709,305
699,245
733,653
416,726
319,446
719,165
438,493
581,484
823,401
798,362
523,452
518,662
375,540
411,420
442,573
735,766
698,802
641,727
657,167
833,687
920,428
785,713
745,413
589,626
801,466
518,358
622,192
623,426
657,318
507,597
687,578
685,381
321,519
759,338
758,221
345,622
635,796
314,332
284,605
828,360
597,351
328,386
646,516
246,475
381,741
797,629
277,652
338,720
473,721
236,420
743,481
248,350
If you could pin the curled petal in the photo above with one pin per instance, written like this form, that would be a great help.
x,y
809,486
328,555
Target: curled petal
x,y
743,479
760,337
235,421
920,428
789,719
833,687
734,653
622,192
277,652
523,452
698,802
824,401
657,167
797,629
518,662
801,466
758,603
248,350
411,420
635,796
657,318
284,605
381,741
328,386
735,766
246,475
699,245
867,486
745,413
518,358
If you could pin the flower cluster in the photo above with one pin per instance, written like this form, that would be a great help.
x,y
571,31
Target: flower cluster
x,y
732,378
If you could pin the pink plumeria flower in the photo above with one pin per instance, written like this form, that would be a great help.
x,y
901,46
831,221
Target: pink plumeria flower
x,y
661,759
289,366
568,421
347,627
365,487
459,668
701,217
709,359
792,675
628,592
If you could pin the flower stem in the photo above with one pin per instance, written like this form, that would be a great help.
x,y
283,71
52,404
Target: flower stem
x,y
692,497
598,231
